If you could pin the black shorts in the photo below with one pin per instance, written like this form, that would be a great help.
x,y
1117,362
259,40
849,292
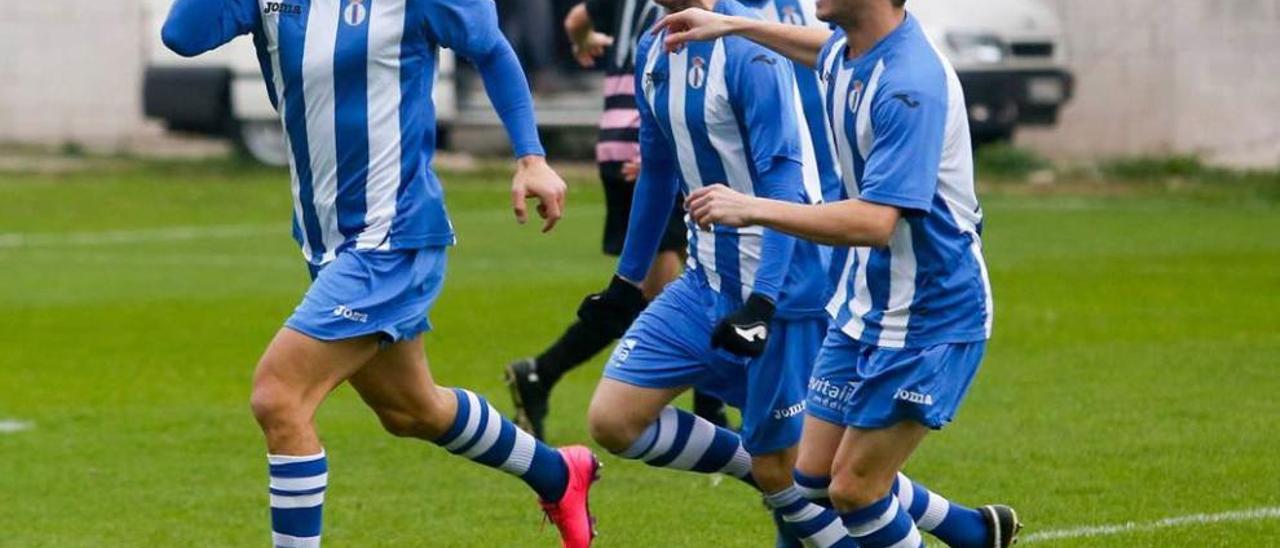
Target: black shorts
x,y
617,203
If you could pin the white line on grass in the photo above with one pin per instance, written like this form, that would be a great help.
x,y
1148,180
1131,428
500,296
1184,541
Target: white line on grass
x,y
1254,514
10,426
117,237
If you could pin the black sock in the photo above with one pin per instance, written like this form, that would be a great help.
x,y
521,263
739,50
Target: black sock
x,y
578,344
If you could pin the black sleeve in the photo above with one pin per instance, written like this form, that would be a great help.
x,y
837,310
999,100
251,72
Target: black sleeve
x,y
603,14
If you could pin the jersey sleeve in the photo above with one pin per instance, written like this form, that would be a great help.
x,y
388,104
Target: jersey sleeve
x,y
761,84
655,193
196,26
470,28
902,166
761,89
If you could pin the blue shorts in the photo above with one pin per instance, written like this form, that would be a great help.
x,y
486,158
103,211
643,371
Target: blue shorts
x,y
669,346
869,387
372,292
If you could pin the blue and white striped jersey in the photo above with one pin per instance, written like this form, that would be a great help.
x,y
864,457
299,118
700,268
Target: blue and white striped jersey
x,y
722,112
352,81
902,139
821,172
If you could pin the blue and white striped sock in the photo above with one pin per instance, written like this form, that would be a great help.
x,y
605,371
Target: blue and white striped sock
x,y
481,434
814,488
883,524
813,525
297,499
684,441
958,526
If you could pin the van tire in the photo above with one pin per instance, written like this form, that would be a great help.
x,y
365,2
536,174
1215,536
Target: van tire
x,y
262,140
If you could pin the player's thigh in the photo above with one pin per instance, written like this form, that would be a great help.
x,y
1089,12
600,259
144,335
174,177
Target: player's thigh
x,y
297,371
397,385
660,356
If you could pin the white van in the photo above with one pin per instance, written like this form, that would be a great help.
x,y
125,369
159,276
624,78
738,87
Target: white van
x,y
1009,55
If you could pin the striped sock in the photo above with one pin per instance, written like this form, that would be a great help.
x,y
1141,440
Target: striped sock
x,y
956,525
481,434
883,524
814,525
814,488
684,441
297,499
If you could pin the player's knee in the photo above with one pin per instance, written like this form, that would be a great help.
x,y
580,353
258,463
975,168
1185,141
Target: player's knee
x,y
274,406
853,489
610,428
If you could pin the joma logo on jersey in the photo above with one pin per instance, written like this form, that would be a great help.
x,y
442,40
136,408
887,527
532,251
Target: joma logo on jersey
x,y
282,8
913,397
347,313
697,72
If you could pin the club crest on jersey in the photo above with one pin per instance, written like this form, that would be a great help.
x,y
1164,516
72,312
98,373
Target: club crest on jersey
x,y
855,96
355,13
697,73
790,16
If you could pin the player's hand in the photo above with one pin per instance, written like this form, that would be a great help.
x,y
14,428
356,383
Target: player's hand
x,y
721,205
692,25
535,179
745,332
591,47
631,171
614,308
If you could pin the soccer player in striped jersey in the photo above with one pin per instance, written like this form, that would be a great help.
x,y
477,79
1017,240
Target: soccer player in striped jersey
x,y
821,169
745,320
352,82
821,172
910,323
606,32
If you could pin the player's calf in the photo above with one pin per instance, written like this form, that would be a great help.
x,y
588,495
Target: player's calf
x,y
677,439
772,471
427,419
804,523
853,489
615,428
956,525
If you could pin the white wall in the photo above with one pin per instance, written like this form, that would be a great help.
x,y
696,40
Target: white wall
x,y
71,71
1171,76
1154,76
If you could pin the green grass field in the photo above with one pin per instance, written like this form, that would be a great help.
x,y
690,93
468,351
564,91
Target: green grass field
x,y
1133,377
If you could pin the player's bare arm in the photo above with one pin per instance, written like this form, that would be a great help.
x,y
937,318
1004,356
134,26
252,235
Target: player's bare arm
x,y
535,179
844,223
801,44
588,43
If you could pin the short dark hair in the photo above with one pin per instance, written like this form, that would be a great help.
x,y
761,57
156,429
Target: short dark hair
x,y
899,3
